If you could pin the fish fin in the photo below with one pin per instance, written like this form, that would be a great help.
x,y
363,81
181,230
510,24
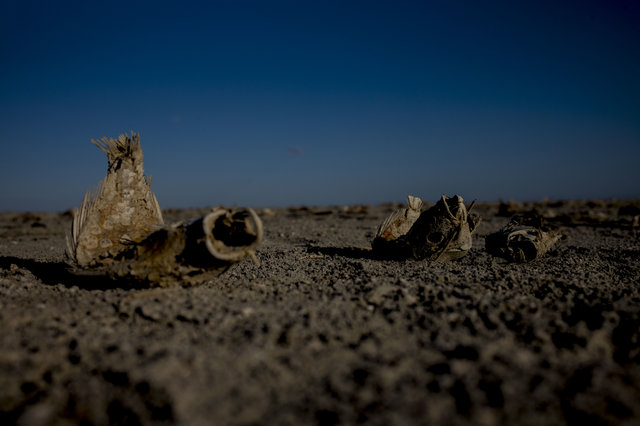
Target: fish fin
x,y
79,220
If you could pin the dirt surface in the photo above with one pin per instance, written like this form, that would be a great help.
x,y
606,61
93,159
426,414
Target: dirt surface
x,y
322,332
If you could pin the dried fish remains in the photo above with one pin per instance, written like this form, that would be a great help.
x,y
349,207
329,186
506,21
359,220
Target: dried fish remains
x,y
119,232
442,232
525,238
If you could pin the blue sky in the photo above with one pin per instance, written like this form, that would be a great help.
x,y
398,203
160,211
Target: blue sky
x,y
328,102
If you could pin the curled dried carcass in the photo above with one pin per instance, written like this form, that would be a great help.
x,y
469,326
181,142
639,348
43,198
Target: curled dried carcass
x,y
523,239
191,252
119,232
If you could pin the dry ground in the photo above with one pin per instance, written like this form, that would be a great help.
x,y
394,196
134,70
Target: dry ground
x,y
321,332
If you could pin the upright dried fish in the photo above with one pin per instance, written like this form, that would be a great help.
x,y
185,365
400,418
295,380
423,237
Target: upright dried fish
x,y
119,231
523,239
121,209
443,232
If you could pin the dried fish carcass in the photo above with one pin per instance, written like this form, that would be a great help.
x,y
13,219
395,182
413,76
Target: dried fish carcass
x,y
191,252
523,239
442,232
122,209
119,231
390,239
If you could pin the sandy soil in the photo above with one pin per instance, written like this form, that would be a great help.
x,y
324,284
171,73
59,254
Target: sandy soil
x,y
322,332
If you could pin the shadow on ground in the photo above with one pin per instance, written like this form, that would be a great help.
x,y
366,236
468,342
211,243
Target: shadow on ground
x,y
58,273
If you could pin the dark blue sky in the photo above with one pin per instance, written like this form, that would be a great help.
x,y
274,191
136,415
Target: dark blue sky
x,y
329,102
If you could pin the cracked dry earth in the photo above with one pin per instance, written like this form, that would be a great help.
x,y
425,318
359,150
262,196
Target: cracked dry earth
x,y
322,332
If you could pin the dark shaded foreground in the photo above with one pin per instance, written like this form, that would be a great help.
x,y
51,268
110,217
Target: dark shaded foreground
x,y
323,332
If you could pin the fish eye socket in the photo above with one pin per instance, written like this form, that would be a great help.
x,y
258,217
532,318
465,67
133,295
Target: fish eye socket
x,y
435,237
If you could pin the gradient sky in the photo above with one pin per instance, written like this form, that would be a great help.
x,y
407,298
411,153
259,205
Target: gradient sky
x,y
267,103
